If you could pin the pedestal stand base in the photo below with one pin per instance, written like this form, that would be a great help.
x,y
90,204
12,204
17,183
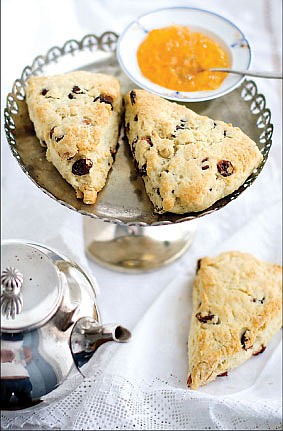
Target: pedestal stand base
x,y
136,248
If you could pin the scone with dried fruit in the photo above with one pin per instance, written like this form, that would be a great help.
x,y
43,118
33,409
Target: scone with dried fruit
x,y
237,308
77,116
187,161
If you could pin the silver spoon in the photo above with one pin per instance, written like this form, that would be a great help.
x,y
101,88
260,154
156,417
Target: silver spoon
x,y
270,75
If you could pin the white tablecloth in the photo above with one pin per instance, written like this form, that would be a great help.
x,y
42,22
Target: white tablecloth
x,y
142,385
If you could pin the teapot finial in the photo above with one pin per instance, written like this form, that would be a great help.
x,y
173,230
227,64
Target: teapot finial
x,y
11,295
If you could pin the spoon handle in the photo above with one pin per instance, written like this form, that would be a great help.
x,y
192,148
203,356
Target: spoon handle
x,y
270,75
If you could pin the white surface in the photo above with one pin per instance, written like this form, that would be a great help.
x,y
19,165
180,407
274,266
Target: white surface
x,y
142,385
229,37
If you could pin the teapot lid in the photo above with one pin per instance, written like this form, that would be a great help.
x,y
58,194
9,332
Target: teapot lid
x,y
31,288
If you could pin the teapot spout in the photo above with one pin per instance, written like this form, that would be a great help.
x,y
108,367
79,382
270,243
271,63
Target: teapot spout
x,y
87,335
112,332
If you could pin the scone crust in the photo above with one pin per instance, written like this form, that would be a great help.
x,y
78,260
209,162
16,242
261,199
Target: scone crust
x,y
237,308
185,159
77,116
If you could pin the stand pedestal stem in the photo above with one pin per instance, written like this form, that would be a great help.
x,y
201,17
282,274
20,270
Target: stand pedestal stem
x,y
136,248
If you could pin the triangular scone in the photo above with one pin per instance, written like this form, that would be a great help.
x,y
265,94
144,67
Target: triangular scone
x,y
237,308
77,116
187,161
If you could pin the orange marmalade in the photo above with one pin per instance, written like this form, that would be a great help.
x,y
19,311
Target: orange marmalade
x,y
177,58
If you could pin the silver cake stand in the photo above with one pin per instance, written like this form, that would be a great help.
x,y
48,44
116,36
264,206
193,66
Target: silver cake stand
x,y
136,239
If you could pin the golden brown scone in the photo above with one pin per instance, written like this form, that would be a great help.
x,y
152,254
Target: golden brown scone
x,y
187,161
237,308
77,116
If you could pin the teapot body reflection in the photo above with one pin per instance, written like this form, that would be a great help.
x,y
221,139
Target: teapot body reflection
x,y
55,333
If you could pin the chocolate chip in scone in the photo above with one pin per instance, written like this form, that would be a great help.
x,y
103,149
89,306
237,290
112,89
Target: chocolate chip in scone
x,y
204,319
103,98
77,90
214,125
225,168
133,97
225,133
261,301
180,126
209,318
58,138
127,127
206,166
261,350
51,132
44,91
244,339
71,96
136,117
82,167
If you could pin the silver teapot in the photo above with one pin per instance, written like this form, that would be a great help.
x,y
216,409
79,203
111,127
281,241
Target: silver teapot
x,y
50,325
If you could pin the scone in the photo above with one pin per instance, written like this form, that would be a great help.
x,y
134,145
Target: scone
x,y
77,116
237,308
187,161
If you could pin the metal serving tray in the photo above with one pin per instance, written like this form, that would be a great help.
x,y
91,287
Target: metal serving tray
x,y
243,107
